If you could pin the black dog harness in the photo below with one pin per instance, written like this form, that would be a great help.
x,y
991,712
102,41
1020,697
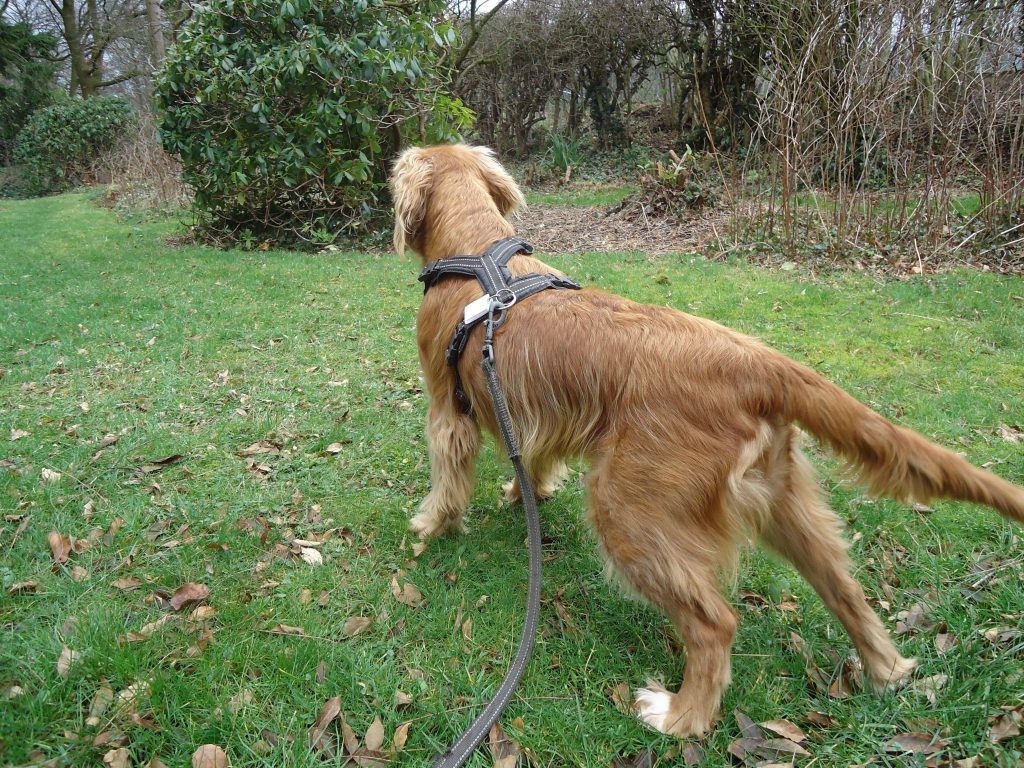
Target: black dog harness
x,y
500,288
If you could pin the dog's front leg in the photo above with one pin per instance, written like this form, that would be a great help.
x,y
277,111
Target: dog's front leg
x,y
454,440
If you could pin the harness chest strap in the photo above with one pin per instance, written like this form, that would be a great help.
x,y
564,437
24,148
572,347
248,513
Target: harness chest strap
x,y
492,272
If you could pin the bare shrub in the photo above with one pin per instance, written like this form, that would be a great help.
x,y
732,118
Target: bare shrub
x,y
878,121
140,175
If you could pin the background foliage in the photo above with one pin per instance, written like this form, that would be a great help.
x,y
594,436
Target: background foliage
x,y
26,79
59,143
286,114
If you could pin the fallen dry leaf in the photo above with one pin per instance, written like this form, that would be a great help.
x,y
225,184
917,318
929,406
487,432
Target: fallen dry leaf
x,y
693,754
929,687
284,629
238,702
643,759
785,729
945,642
505,752
159,464
401,736
117,758
356,625
349,738
189,594
311,556
66,661
60,547
467,629
913,620
407,594
319,739
754,746
156,762
1010,434
101,700
23,587
50,476
1006,725
621,697
17,434
373,739
262,447
209,756
128,584
821,720
916,743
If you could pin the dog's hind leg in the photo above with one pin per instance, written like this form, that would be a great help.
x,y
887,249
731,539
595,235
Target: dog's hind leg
x,y
661,552
809,535
453,443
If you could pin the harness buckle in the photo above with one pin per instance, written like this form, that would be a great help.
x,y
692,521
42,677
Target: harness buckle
x,y
503,299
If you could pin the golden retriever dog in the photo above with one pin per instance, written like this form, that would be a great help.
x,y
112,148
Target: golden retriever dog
x,y
688,429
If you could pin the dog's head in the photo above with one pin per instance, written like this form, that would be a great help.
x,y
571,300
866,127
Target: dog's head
x,y
449,191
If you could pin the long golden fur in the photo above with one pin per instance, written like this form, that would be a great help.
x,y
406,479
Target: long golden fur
x,y
687,426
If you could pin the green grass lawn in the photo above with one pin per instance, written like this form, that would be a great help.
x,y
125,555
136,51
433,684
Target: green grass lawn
x,y
187,414
587,196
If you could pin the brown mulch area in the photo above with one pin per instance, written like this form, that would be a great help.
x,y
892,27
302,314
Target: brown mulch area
x,y
574,229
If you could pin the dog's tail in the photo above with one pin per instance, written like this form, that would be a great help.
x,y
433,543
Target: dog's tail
x,y
893,461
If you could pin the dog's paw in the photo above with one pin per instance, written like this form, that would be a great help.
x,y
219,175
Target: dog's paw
x,y
672,713
510,491
652,705
428,524
893,675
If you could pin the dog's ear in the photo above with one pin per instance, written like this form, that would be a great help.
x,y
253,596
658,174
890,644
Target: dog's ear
x,y
502,187
411,179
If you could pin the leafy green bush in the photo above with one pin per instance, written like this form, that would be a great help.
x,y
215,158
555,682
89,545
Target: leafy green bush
x,y
287,113
59,142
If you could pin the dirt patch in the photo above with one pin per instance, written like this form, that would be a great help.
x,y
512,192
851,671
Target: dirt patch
x,y
710,231
574,229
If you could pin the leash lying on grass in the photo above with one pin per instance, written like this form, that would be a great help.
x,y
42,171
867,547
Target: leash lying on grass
x,y
501,292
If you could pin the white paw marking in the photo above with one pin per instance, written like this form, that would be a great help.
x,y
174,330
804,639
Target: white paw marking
x,y
652,707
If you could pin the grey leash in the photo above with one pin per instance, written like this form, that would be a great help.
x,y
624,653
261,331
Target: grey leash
x,y
461,750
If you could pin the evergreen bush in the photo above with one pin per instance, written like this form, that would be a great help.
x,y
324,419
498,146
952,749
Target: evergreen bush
x,y
286,114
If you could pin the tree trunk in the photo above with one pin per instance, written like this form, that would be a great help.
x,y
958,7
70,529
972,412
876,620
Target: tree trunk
x,y
80,80
157,43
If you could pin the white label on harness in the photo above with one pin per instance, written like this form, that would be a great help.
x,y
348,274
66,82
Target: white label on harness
x,y
476,309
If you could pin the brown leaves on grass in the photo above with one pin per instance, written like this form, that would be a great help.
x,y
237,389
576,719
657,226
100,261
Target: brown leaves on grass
x,y
188,594
753,747
63,546
845,680
117,758
356,625
319,739
407,594
1006,725
915,743
505,751
285,629
323,737
66,660
209,756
